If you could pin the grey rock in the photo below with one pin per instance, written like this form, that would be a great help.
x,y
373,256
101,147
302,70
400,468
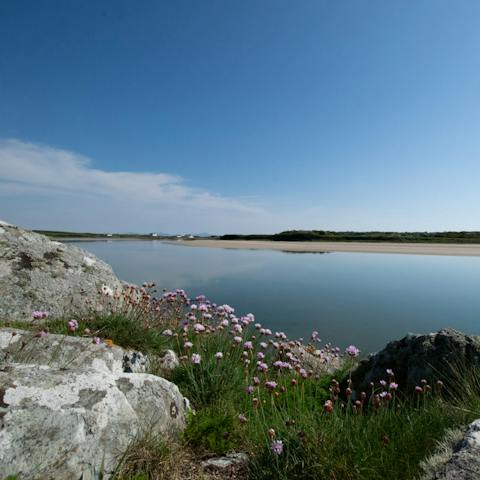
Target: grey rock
x,y
464,461
37,273
61,351
319,362
227,462
67,424
69,410
417,357
135,362
168,360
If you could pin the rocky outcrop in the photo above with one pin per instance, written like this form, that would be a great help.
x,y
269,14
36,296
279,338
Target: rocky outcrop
x,y
460,461
40,274
69,410
318,361
417,357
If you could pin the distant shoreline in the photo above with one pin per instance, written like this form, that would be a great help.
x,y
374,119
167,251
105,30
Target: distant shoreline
x,y
449,249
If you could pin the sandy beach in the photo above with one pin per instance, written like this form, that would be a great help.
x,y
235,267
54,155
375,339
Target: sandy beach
x,y
467,250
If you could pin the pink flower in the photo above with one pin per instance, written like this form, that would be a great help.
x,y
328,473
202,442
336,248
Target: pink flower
x,y
277,447
353,351
198,327
263,345
328,406
41,334
96,340
248,346
187,345
249,389
228,309
196,358
260,356
39,314
390,372
262,367
219,355
72,325
271,385
237,339
393,386
168,333
256,381
242,418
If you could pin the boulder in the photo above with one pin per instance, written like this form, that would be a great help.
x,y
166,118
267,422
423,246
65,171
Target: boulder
x,y
37,273
69,408
417,357
66,424
63,352
461,461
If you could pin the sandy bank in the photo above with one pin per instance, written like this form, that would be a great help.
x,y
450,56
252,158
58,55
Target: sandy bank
x,y
406,248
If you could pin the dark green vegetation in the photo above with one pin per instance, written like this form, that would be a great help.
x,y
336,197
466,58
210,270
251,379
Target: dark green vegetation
x,y
349,442
329,236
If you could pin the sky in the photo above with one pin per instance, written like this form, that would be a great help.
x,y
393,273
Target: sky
x,y
225,116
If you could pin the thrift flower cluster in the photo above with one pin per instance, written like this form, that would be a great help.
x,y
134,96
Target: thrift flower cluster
x,y
273,366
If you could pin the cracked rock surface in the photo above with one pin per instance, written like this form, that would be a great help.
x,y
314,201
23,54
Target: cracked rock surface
x,y
69,410
37,273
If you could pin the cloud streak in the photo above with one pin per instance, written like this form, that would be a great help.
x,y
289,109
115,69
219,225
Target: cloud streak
x,y
63,178
50,168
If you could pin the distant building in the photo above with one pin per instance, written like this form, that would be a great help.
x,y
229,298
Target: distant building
x,y
109,235
154,234
191,237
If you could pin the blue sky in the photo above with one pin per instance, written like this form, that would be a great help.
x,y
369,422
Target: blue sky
x,y
240,116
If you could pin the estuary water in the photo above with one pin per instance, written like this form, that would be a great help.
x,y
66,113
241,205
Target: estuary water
x,y
361,298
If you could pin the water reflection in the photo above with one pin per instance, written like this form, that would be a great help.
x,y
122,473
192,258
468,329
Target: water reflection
x,y
360,298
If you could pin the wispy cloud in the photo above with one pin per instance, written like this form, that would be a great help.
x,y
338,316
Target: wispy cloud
x,y
63,178
50,168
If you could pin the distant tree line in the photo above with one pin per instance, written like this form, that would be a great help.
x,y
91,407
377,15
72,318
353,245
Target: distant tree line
x,y
330,236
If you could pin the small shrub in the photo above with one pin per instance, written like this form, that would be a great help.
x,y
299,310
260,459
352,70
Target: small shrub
x,y
212,431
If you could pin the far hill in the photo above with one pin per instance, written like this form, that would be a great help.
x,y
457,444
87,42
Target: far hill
x,y
331,236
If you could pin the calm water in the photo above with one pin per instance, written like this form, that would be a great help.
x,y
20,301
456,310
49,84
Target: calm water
x,y
360,298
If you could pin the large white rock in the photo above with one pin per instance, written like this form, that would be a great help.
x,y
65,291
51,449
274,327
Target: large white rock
x,y
66,424
69,409
39,274
61,351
